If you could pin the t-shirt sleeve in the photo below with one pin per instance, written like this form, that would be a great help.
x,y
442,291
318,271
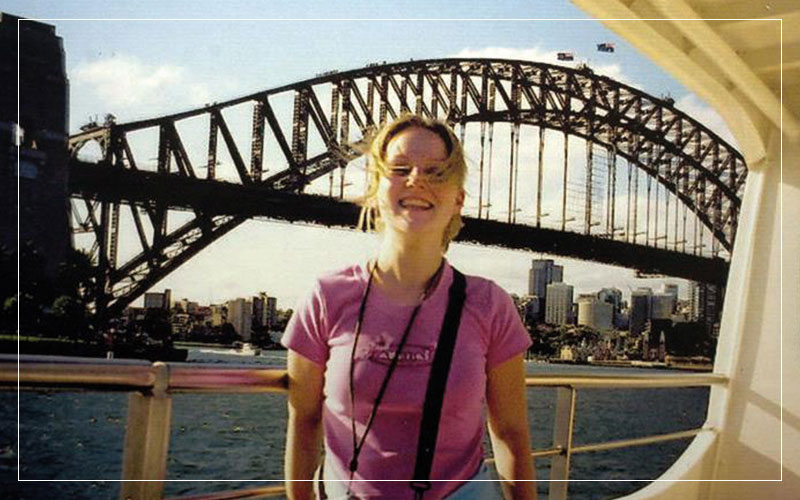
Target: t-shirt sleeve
x,y
508,336
307,330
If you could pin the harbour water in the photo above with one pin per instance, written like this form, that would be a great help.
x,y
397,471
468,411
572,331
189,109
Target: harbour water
x,y
224,441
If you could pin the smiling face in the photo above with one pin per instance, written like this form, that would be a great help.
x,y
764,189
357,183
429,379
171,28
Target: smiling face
x,y
414,196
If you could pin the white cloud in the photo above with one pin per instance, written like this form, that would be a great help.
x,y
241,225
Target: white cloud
x,y
124,84
705,114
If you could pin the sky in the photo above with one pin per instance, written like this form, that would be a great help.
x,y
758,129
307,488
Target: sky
x,y
144,59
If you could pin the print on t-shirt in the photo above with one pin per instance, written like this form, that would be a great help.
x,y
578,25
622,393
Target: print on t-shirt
x,y
381,350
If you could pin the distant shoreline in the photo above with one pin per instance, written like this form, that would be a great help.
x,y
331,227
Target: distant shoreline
x,y
682,365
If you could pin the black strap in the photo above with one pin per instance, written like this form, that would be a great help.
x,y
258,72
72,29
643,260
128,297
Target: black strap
x,y
434,395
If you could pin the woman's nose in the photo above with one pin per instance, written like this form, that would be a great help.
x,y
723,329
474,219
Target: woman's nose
x,y
414,177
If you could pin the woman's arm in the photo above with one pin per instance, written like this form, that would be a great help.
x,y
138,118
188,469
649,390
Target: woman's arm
x,y
508,429
304,429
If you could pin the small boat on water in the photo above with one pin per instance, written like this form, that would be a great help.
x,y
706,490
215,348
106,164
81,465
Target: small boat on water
x,y
246,349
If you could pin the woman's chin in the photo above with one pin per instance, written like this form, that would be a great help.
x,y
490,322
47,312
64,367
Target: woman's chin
x,y
417,227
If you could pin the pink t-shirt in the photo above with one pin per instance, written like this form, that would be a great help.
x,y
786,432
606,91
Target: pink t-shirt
x,y
322,330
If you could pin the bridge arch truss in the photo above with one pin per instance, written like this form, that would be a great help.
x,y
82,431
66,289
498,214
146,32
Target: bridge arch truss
x,y
298,138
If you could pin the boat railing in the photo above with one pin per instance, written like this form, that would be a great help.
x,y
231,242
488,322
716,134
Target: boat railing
x,y
151,385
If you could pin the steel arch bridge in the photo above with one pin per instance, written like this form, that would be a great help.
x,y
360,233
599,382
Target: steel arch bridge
x,y
296,143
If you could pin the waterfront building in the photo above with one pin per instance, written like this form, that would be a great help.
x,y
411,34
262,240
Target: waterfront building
x,y
187,306
567,353
34,178
622,320
640,309
240,315
542,273
558,305
181,324
202,314
265,310
595,313
218,314
612,296
662,305
131,314
158,300
558,274
529,308
706,304
671,288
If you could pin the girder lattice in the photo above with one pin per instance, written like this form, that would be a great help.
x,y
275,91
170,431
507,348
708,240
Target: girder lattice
x,y
687,161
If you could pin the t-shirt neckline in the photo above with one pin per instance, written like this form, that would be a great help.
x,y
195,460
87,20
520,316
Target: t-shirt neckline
x,y
385,300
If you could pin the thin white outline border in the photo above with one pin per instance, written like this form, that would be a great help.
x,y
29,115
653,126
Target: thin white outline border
x,y
780,188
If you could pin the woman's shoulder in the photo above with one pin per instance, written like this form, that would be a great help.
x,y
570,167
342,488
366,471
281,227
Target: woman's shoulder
x,y
483,286
486,293
346,277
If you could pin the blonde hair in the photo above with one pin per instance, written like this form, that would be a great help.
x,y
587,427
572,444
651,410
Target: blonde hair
x,y
374,148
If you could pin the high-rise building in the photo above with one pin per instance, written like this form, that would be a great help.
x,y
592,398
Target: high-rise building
x,y
670,288
542,273
34,173
640,309
265,309
706,304
662,305
558,274
187,306
611,296
595,313
558,305
219,314
240,315
158,300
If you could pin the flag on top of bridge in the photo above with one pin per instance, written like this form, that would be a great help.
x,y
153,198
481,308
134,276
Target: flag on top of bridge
x,y
565,56
605,47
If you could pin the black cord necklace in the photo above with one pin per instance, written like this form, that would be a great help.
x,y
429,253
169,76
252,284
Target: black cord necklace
x,y
359,444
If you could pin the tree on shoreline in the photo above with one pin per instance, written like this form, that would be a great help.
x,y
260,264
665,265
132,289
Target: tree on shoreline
x,y
52,306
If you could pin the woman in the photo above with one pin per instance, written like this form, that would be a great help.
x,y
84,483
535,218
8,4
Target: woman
x,y
361,346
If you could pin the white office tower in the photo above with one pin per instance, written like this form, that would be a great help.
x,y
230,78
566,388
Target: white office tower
x,y
662,306
595,313
240,315
671,288
558,307
219,314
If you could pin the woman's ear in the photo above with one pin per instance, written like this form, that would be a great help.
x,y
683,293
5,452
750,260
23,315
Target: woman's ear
x,y
460,199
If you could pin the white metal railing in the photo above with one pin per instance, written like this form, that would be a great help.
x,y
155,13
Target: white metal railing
x,y
150,409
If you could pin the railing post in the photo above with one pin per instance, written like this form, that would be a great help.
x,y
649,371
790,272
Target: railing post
x,y
144,464
562,438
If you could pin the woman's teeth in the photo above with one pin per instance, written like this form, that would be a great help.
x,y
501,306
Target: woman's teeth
x,y
415,203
